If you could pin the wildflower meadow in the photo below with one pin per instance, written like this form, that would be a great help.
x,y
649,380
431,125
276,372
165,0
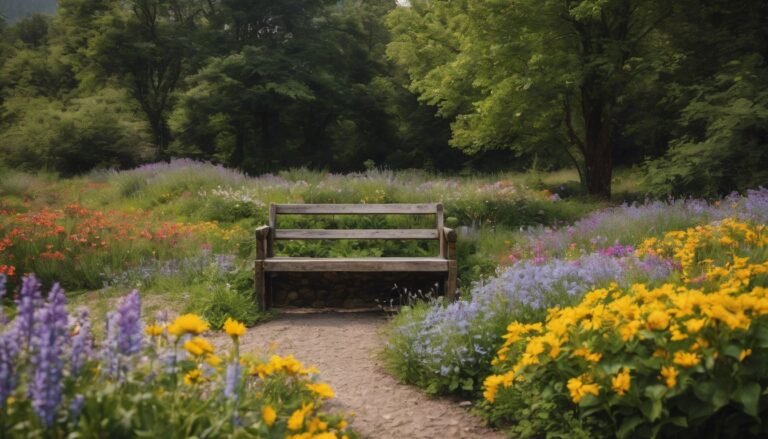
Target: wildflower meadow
x,y
576,318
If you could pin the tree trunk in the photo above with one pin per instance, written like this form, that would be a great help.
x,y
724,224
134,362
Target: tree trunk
x,y
597,146
161,134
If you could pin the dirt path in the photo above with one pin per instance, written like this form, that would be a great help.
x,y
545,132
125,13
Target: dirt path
x,y
343,346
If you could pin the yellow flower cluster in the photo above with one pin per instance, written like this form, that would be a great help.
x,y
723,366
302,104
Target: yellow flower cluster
x,y
188,324
680,325
277,364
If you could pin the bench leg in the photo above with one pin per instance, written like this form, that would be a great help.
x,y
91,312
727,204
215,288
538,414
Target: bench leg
x,y
450,282
261,290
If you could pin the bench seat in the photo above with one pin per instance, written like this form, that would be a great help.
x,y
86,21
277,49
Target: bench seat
x,y
267,266
295,264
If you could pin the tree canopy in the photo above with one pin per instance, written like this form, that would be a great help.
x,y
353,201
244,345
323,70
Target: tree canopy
x,y
676,88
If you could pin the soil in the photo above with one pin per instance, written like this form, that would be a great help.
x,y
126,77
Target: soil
x,y
343,346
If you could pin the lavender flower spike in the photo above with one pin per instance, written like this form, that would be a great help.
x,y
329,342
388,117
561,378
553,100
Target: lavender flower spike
x,y
49,338
232,379
130,334
29,300
9,351
81,343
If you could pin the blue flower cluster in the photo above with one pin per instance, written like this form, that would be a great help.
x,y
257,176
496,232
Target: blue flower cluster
x,y
460,339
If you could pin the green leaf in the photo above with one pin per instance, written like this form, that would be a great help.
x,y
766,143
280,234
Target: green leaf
x,y
628,425
748,395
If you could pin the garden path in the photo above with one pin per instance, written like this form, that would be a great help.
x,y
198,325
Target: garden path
x,y
344,347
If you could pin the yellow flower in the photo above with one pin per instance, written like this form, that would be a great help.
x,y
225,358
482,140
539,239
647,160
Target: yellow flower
x,y
670,376
621,382
686,359
213,360
587,354
326,435
629,330
677,335
316,425
694,325
321,389
194,376
153,330
579,389
269,415
342,425
188,324
198,346
234,328
658,320
296,421
744,354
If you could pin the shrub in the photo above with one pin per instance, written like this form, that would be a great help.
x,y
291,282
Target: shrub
x,y
171,382
684,358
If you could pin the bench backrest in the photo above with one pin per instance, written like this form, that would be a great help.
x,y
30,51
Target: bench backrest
x,y
355,209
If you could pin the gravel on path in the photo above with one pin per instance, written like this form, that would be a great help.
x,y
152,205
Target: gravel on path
x,y
343,346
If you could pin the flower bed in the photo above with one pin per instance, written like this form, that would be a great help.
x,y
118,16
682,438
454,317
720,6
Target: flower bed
x,y
158,380
81,246
686,357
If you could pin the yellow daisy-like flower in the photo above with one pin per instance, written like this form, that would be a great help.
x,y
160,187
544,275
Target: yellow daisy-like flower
x,y
694,325
296,421
744,354
670,376
579,389
342,424
233,328
194,376
269,415
621,382
188,324
686,359
321,389
658,320
198,346
317,425
213,360
153,330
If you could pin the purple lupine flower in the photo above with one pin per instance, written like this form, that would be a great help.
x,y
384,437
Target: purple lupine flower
x,y
110,353
82,343
130,336
29,300
232,380
46,347
9,352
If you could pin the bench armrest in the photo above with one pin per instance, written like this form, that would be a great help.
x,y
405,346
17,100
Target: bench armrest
x,y
448,243
262,239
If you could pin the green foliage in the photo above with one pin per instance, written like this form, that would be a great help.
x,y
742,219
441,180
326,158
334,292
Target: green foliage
x,y
727,148
229,296
93,132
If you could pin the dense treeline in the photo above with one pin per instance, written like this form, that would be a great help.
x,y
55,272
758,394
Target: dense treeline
x,y
678,88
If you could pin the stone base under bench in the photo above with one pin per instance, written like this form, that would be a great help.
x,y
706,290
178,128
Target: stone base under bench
x,y
349,289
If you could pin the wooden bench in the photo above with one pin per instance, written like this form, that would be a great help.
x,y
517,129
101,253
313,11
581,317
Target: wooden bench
x,y
266,262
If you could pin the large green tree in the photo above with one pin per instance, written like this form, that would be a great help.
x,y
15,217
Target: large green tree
x,y
549,75
144,45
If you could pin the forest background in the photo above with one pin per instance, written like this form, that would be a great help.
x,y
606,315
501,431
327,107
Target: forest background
x,y
676,90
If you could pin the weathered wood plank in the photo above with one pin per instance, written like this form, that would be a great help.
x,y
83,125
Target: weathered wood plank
x,y
352,209
355,264
356,234
450,281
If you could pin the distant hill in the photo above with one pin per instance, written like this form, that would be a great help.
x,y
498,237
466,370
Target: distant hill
x,y
14,10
